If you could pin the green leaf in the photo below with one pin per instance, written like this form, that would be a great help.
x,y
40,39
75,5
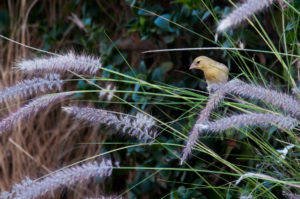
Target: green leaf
x,y
169,38
162,23
136,97
142,67
157,75
142,21
166,66
206,14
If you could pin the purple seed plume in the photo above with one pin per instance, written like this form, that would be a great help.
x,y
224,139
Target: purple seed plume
x,y
252,119
140,125
30,189
213,101
285,102
31,87
30,110
244,11
81,64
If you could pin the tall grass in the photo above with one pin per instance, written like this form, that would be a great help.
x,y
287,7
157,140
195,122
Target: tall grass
x,y
255,162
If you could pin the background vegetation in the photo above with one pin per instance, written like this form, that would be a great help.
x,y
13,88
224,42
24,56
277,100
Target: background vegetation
x,y
119,31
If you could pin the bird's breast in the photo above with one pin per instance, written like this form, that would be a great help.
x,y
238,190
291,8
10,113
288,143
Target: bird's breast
x,y
216,76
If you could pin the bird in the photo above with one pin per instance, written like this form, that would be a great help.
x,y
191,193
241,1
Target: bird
x,y
214,72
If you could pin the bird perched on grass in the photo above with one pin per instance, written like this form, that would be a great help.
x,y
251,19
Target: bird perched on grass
x,y
214,72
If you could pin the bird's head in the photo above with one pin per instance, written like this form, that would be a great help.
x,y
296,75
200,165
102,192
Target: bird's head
x,y
200,62
214,71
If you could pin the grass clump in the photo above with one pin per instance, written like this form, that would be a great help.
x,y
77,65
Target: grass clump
x,y
252,152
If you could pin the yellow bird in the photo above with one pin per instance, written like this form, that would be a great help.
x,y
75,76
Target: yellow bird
x,y
214,72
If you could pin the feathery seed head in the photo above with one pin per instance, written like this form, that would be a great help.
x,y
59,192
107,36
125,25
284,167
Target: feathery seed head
x,y
213,101
107,94
140,125
30,87
254,175
287,103
243,120
240,14
237,87
29,189
30,109
290,195
81,64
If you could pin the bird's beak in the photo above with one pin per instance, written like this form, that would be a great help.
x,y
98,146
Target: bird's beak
x,y
193,66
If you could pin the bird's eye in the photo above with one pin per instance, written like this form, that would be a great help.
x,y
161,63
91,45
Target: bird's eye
x,y
198,62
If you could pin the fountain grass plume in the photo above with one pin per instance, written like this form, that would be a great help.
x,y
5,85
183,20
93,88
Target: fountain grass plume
x,y
241,13
285,102
81,64
252,119
30,110
264,177
213,101
107,92
254,175
290,195
31,87
140,125
30,189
